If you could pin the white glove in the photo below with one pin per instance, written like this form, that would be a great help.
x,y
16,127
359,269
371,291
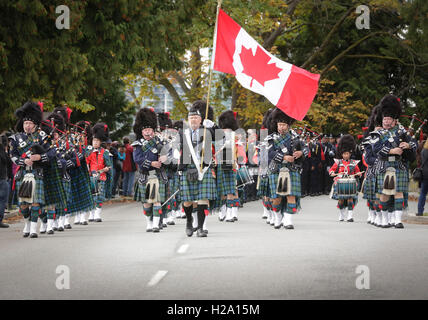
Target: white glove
x,y
208,123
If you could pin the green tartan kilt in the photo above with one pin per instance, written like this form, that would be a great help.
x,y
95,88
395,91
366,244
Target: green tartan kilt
x,y
226,181
101,196
39,192
175,185
81,195
54,189
402,179
296,189
67,189
198,190
263,190
369,188
140,192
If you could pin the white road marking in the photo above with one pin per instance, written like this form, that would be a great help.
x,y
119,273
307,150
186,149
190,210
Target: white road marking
x,y
183,248
157,277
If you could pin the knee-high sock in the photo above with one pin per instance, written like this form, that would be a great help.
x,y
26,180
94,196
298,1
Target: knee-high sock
x,y
201,215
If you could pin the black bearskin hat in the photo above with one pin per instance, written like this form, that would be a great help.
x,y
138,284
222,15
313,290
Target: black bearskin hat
x,y
178,125
56,120
164,120
266,120
390,106
145,118
100,131
65,112
375,119
276,116
199,108
346,143
227,120
30,111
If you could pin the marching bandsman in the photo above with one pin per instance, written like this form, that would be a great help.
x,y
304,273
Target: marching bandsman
x,y
230,155
263,190
30,151
150,188
197,187
344,166
369,159
99,165
167,135
392,149
286,154
82,201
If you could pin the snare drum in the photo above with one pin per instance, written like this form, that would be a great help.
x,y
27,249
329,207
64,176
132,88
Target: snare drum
x,y
243,177
346,188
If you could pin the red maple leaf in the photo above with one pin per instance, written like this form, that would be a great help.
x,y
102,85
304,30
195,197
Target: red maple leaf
x,y
257,67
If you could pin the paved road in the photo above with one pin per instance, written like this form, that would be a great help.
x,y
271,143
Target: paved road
x,y
117,259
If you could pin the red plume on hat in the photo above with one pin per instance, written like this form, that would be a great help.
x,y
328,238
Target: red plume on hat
x,y
40,103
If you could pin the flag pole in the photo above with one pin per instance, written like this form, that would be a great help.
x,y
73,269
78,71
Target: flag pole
x,y
209,81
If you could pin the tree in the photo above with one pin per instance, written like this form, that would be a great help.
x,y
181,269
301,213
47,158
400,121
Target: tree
x,y
106,39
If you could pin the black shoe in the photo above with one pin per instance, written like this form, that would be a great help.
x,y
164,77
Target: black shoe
x,y
33,235
3,225
230,220
264,217
399,226
55,229
98,220
278,227
149,230
194,229
155,230
419,214
341,220
235,219
189,231
164,225
289,227
50,232
77,223
60,229
67,226
84,223
206,231
200,233
26,234
221,219
386,226
350,220
91,220
171,223
42,232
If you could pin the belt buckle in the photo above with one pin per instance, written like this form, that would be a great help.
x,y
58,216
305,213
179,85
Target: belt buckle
x,y
391,159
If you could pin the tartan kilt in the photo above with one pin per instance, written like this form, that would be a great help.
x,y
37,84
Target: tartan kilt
x,y
296,187
81,195
369,188
39,192
198,190
226,181
101,196
54,188
140,191
175,185
402,179
67,189
263,190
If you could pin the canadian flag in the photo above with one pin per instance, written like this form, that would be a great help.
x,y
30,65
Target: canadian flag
x,y
290,88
